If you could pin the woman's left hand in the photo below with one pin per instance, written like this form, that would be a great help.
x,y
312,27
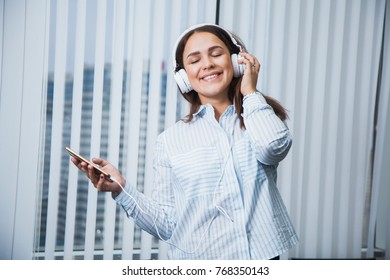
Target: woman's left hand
x,y
251,73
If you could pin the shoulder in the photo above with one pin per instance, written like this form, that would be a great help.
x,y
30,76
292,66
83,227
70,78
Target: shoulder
x,y
179,137
173,130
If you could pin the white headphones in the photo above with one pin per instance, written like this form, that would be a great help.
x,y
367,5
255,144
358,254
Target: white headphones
x,y
181,75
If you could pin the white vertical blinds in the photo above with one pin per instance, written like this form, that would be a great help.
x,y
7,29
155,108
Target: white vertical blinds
x,y
61,25
154,102
75,126
114,125
96,122
128,226
110,92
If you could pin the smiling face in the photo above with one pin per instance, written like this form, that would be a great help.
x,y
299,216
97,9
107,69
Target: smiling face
x,y
208,66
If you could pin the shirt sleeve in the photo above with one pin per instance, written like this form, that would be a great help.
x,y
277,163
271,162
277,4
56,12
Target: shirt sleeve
x,y
153,214
268,134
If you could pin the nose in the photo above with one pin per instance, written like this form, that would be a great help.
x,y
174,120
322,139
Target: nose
x,y
207,62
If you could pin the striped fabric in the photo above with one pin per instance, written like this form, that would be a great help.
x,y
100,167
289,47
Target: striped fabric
x,y
215,194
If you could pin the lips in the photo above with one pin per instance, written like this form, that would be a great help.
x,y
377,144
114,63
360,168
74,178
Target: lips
x,y
210,76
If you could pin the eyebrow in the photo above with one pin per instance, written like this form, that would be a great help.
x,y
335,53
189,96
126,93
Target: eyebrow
x,y
198,52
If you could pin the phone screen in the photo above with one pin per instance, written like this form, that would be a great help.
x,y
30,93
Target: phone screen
x,y
79,157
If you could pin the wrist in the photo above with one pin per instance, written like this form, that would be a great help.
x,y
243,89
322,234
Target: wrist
x,y
119,186
115,193
249,92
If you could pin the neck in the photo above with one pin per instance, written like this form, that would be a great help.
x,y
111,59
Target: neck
x,y
219,109
219,103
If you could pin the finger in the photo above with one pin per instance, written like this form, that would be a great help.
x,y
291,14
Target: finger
x,y
247,57
250,61
100,161
256,65
253,64
76,162
92,174
100,184
83,167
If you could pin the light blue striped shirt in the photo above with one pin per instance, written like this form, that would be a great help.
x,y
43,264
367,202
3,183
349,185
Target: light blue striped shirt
x,y
215,194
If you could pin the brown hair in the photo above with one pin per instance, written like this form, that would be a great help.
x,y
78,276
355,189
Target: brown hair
x,y
234,93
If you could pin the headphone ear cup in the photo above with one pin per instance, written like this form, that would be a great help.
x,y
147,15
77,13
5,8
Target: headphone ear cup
x,y
238,69
182,81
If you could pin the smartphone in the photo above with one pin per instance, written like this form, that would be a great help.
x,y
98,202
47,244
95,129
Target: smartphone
x,y
80,158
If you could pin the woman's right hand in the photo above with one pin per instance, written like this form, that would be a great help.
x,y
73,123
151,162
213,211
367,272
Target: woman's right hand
x,y
101,182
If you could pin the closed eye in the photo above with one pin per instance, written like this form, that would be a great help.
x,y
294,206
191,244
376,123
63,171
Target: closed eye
x,y
193,61
214,51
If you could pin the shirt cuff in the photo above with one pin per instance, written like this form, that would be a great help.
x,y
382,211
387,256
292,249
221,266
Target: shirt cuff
x,y
124,197
253,101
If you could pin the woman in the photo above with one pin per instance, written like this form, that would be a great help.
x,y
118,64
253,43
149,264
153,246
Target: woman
x,y
215,194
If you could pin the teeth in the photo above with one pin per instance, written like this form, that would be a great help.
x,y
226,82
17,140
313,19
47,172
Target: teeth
x,y
210,77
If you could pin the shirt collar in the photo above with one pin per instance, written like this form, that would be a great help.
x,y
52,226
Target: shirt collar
x,y
209,110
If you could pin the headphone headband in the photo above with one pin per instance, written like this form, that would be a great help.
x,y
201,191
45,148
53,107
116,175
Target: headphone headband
x,y
185,32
